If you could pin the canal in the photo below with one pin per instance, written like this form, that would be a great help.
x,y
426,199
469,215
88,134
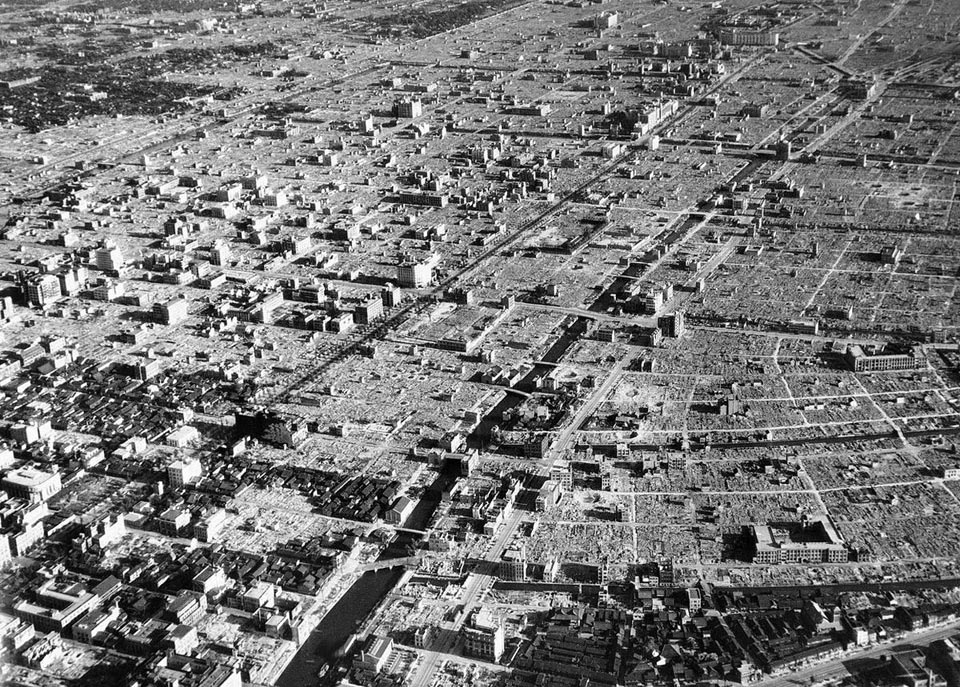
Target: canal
x,y
356,604
570,334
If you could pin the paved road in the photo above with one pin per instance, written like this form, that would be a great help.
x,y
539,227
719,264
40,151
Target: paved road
x,y
589,408
473,590
835,668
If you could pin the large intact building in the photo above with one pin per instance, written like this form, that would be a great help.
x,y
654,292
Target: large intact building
x,y
416,274
400,511
182,472
484,636
408,108
172,311
376,653
860,361
813,540
31,484
513,565
747,37
42,289
108,257
56,606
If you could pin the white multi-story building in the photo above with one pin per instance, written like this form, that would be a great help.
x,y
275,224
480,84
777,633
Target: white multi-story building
x,y
108,257
42,289
484,636
32,484
415,275
184,471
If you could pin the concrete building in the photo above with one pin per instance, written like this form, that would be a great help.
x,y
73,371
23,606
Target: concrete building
x,y
183,472
42,289
415,274
694,599
910,669
424,199
606,20
172,311
891,255
182,436
484,636
147,369
56,607
209,580
108,258
260,595
186,609
219,254
860,361
548,495
208,527
391,296
754,38
31,484
652,301
400,511
408,108
369,310
672,325
45,653
513,565
30,432
376,653
182,639
107,531
173,522
810,541
94,624
530,110
860,87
